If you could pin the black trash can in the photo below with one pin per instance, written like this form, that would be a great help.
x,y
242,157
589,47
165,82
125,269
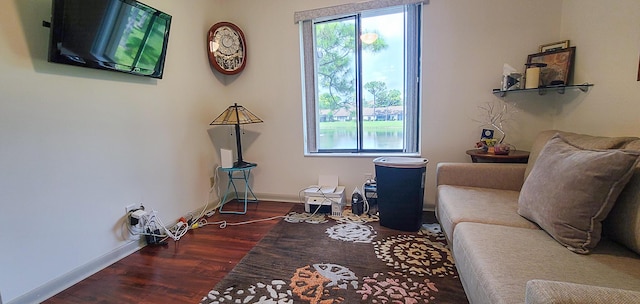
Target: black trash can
x,y
400,182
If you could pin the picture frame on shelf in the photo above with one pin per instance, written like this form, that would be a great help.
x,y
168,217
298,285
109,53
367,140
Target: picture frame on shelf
x,y
559,66
638,70
554,46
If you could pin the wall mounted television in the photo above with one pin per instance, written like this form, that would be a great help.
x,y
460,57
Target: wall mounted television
x,y
118,35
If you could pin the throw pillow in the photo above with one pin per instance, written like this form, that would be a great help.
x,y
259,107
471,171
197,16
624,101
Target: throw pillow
x,y
570,191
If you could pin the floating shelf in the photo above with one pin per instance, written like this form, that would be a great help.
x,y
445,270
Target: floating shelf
x,y
543,90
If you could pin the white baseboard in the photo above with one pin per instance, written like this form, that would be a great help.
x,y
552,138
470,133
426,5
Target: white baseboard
x,y
278,198
67,280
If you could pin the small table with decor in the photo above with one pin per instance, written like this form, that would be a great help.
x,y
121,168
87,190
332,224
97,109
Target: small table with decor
x,y
514,156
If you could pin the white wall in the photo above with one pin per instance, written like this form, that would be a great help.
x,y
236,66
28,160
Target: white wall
x,y
607,37
77,145
465,46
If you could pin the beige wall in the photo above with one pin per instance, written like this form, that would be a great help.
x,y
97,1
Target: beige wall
x,y
77,145
607,36
465,46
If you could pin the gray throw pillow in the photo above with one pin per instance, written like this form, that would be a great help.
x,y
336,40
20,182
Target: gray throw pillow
x,y
570,191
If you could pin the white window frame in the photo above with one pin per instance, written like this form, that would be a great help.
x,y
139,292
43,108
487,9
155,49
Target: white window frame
x,y
412,69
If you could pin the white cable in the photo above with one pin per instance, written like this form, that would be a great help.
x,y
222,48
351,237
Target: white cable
x,y
150,221
180,230
224,224
216,186
256,221
364,198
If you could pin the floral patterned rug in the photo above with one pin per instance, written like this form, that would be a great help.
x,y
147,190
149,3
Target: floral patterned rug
x,y
323,260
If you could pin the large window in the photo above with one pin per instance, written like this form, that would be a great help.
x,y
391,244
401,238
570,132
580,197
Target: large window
x,y
361,81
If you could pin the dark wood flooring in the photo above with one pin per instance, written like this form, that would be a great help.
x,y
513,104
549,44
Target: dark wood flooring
x,y
181,272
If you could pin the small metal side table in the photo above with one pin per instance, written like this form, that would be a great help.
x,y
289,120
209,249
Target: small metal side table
x,y
243,174
514,156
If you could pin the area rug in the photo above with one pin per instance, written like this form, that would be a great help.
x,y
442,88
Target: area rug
x,y
326,260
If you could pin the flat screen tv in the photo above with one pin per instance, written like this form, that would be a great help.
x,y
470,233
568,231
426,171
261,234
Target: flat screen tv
x,y
118,35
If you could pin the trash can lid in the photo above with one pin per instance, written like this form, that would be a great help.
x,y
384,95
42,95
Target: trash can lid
x,y
401,162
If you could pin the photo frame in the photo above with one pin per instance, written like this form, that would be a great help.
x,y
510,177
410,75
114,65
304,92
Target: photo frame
x,y
559,65
639,70
554,46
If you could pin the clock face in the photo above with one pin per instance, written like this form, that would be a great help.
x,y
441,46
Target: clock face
x,y
226,48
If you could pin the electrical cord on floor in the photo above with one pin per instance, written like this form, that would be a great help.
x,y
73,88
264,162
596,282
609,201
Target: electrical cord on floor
x,y
154,230
364,199
183,226
224,224
215,186
151,224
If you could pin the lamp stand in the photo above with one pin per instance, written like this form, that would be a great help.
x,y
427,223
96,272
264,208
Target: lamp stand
x,y
240,163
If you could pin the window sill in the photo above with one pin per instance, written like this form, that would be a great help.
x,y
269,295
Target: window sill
x,y
417,154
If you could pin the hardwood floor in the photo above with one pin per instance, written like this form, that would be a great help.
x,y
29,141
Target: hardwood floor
x,y
181,272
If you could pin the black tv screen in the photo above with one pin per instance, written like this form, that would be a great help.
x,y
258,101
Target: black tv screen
x,y
119,35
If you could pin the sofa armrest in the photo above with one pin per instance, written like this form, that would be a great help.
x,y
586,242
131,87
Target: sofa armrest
x,y
542,291
485,175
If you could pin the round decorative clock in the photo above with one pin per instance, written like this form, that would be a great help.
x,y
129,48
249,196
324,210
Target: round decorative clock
x,y
227,48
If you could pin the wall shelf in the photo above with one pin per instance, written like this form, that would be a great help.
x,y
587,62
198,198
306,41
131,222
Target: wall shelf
x,y
543,90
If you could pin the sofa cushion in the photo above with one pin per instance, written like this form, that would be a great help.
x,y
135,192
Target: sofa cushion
x,y
571,190
623,222
458,204
544,292
496,262
580,140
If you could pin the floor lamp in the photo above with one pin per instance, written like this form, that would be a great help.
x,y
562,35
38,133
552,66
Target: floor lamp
x,y
237,115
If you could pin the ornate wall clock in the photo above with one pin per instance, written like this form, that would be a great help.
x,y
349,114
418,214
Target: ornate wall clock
x,y
227,48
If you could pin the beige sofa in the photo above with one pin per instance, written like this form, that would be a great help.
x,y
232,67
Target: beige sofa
x,y
503,257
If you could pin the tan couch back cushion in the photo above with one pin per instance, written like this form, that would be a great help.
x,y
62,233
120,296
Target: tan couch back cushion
x,y
623,223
